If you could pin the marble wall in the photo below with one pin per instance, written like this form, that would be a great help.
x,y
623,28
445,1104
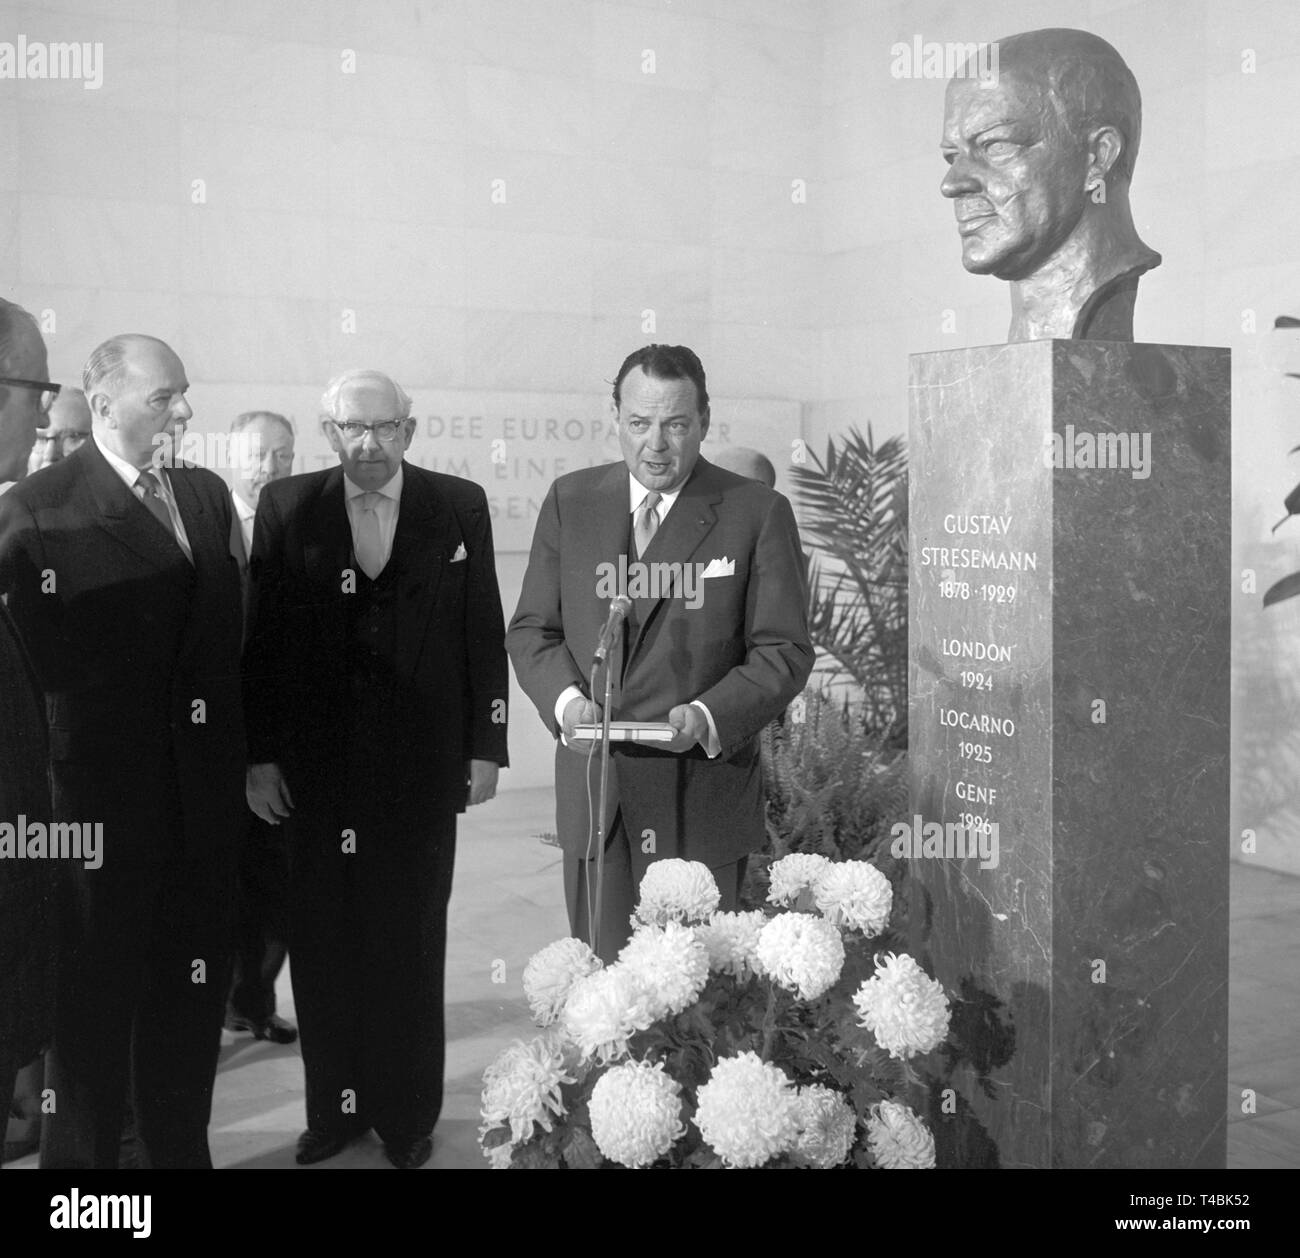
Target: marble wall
x,y
280,210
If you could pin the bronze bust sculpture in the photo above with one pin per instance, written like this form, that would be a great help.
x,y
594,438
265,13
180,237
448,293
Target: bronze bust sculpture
x,y
1040,159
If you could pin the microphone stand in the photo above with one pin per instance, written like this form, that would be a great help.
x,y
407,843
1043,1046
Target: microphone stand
x,y
594,924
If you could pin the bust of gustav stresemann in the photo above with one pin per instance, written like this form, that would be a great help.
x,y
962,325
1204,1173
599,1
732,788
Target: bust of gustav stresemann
x,y
1040,156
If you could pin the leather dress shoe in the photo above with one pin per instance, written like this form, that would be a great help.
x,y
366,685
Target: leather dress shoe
x,y
407,1155
316,1146
274,1028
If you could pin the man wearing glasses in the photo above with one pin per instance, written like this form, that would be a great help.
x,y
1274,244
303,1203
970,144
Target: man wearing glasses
x,y
27,888
375,683
68,430
117,568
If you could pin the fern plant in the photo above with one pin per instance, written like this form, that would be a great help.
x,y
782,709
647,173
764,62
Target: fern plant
x,y
854,511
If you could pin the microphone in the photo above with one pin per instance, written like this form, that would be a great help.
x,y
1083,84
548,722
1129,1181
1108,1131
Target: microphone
x,y
618,610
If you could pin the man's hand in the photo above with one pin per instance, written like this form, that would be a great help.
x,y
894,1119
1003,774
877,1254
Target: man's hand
x,y
482,780
580,711
691,727
268,793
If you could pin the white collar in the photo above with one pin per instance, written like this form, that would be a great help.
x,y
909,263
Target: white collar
x,y
639,493
242,509
128,473
393,489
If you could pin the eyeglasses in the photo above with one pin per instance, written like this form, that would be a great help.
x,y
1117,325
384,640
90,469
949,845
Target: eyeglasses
x,y
48,391
69,438
385,430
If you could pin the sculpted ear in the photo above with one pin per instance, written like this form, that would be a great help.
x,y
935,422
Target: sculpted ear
x,y
1105,145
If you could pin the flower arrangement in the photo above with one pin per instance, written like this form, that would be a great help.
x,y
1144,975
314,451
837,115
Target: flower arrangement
x,y
779,1037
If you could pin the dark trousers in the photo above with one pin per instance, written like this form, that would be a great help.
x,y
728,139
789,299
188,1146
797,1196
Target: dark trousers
x,y
368,932
143,974
625,866
261,925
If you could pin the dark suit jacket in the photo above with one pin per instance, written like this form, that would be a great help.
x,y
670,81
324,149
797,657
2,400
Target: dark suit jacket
x,y
450,662
745,652
28,940
137,652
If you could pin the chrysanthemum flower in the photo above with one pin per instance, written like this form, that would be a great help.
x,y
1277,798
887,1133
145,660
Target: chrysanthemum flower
x,y
746,1111
670,963
603,1010
855,895
827,1127
793,874
732,942
802,953
898,1139
551,973
905,1009
676,891
636,1113
522,1087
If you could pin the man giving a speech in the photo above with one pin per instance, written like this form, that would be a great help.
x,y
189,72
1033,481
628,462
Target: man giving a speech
x,y
717,666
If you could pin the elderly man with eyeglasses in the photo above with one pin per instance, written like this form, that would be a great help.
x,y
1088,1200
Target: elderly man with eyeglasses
x,y
375,684
68,429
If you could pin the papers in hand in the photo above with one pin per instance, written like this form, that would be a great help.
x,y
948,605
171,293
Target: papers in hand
x,y
629,732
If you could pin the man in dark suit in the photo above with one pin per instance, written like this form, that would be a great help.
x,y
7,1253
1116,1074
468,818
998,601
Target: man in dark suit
x,y
116,563
376,685
716,651
261,444
27,891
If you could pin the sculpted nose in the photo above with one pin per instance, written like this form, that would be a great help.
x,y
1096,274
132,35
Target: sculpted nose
x,y
959,180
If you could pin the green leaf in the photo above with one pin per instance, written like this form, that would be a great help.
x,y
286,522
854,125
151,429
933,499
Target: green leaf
x,y
582,1153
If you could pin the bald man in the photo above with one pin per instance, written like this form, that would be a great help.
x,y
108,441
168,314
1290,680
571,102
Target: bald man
x,y
746,462
117,567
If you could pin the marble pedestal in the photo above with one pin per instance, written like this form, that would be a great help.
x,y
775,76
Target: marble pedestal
x,y
1069,673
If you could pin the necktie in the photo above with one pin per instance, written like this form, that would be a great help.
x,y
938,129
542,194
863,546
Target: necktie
x,y
367,539
151,496
647,522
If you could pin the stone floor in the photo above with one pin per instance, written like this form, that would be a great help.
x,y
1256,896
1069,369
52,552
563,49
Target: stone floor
x,y
508,902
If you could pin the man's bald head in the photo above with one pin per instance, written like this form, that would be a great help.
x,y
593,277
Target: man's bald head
x,y
1088,82
747,462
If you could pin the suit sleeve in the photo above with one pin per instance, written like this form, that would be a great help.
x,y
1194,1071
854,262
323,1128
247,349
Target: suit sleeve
x,y
779,652
535,640
264,670
486,668
22,562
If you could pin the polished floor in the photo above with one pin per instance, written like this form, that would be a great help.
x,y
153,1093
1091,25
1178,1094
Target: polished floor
x,y
508,902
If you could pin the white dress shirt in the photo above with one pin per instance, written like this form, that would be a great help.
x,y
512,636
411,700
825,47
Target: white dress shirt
x,y
385,509
245,515
637,493
129,477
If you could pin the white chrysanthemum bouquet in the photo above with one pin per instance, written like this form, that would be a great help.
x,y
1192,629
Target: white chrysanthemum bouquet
x,y
754,1039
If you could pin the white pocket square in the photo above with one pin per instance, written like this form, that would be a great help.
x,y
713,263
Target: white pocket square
x,y
723,567
460,554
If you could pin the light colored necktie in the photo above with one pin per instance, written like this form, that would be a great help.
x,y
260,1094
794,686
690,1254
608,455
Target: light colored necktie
x,y
368,541
647,522
151,496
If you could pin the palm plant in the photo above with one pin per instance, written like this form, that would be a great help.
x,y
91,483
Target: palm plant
x,y
854,510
